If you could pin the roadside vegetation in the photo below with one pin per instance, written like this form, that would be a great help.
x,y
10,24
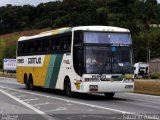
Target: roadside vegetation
x,y
8,75
141,17
151,87
8,43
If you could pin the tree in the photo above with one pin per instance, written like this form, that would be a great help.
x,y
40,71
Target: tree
x,y
153,2
102,16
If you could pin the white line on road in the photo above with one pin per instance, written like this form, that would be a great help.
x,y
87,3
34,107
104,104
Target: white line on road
x,y
27,105
13,93
21,96
27,100
40,104
57,109
71,101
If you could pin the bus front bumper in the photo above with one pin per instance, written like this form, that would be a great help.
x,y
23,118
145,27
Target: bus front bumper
x,y
104,87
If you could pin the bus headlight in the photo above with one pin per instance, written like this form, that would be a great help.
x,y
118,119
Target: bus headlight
x,y
129,86
91,80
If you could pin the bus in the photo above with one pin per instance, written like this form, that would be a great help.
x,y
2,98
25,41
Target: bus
x,y
83,59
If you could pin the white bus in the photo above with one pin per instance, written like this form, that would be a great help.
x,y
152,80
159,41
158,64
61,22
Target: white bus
x,y
84,59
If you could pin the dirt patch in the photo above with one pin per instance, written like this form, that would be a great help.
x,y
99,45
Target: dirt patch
x,y
147,87
8,75
24,33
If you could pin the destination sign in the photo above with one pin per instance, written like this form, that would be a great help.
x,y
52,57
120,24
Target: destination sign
x,y
108,38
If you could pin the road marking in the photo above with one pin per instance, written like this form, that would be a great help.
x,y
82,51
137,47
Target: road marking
x,y
13,93
71,101
57,109
27,100
40,104
21,96
27,105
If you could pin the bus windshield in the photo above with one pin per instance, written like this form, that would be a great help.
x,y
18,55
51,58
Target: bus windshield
x,y
102,53
108,60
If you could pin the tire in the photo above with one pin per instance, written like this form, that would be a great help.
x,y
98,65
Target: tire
x,y
109,95
27,86
67,88
31,86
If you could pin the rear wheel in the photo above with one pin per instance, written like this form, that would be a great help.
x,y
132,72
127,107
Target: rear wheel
x,y
109,95
31,85
26,80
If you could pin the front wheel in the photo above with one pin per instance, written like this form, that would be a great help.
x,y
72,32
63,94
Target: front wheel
x,y
68,88
109,95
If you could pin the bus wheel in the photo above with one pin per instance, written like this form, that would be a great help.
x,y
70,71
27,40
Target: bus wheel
x,y
109,95
31,86
27,83
68,88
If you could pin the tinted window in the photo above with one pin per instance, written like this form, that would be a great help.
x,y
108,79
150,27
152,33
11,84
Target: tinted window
x,y
45,45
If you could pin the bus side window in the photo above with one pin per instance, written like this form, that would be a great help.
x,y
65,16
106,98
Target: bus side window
x,y
20,48
45,44
38,46
32,49
69,42
57,43
66,42
53,45
25,50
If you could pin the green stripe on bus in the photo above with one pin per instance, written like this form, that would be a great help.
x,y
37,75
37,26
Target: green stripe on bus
x,y
56,69
50,71
53,70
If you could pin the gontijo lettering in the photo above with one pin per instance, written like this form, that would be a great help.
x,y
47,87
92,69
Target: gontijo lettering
x,y
34,60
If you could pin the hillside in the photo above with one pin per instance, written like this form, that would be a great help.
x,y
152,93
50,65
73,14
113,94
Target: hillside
x,y
8,43
136,15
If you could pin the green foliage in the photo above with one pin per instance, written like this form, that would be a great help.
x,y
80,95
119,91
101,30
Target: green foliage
x,y
102,15
155,75
2,44
9,52
8,47
136,15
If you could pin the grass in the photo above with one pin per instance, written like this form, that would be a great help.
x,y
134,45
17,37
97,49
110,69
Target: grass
x,y
8,75
151,87
8,41
146,79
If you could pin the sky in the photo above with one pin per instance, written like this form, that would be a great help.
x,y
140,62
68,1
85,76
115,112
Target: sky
x,y
22,2
31,2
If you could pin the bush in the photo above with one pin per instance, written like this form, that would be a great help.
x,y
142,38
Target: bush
x,y
155,75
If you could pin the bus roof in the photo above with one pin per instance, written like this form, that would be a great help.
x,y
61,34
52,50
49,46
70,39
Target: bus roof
x,y
69,29
100,28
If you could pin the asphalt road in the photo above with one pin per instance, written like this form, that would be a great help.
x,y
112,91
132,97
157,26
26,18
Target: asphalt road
x,y
53,104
